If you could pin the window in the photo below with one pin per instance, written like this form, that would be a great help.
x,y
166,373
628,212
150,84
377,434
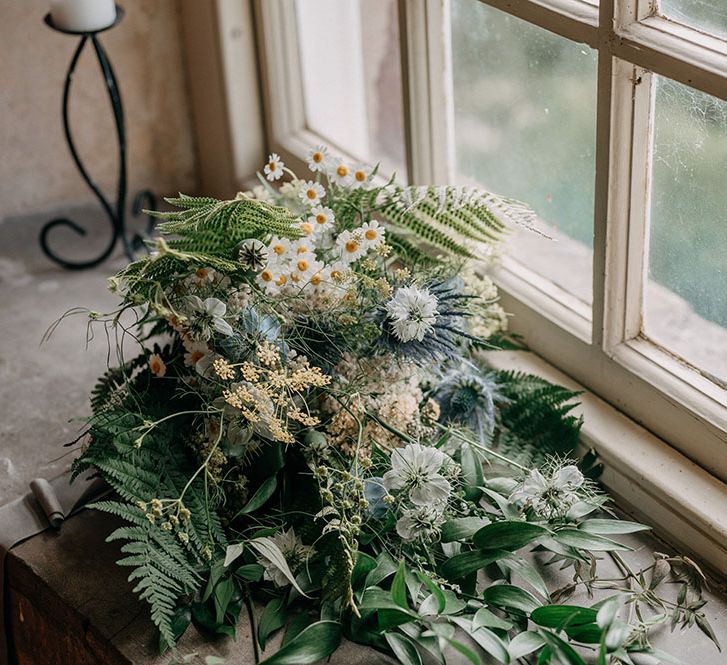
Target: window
x,y
609,119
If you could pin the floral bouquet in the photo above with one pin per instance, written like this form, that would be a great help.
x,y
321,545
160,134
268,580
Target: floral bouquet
x,y
308,425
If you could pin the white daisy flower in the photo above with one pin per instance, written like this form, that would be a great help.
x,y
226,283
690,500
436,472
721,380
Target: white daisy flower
x,y
307,228
360,175
311,192
194,352
350,246
321,218
202,276
373,234
279,249
271,279
412,312
317,158
274,168
340,173
415,469
156,365
304,268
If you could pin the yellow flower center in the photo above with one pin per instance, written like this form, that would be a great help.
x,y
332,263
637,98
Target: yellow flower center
x,y
336,274
278,249
317,157
342,170
272,166
195,356
371,234
307,228
321,218
202,273
351,246
303,265
281,280
295,277
266,276
303,249
315,280
311,193
360,176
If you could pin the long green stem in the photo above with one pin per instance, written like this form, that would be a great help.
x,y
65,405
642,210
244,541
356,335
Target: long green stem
x,y
253,627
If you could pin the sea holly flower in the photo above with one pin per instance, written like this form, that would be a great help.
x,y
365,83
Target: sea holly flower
x,y
311,192
412,313
415,469
551,495
421,522
274,168
317,158
209,317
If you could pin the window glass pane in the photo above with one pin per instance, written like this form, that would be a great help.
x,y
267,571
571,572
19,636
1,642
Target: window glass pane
x,y
686,295
525,123
707,15
351,74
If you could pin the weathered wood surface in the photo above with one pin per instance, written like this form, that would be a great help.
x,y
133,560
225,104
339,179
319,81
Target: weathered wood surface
x,y
70,604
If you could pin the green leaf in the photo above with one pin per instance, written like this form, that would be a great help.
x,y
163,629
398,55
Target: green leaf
x,y
403,648
398,587
508,535
559,616
385,566
484,617
267,548
314,643
461,565
527,572
435,590
562,648
524,644
263,493
295,626
222,595
233,552
587,541
472,476
462,528
490,642
612,527
465,651
272,619
180,622
364,565
507,596
250,572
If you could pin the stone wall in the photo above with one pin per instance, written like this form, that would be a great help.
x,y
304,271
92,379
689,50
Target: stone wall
x,y
36,171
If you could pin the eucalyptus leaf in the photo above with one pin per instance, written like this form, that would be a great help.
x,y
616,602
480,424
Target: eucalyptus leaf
x,y
314,643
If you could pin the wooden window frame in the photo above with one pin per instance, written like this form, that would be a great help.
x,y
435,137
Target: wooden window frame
x,y
602,347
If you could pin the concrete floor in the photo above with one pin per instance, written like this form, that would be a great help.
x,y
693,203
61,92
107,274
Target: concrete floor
x,y
44,387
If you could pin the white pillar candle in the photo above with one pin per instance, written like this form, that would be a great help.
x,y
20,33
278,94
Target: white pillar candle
x,y
82,15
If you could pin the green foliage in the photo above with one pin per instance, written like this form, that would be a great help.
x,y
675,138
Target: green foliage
x,y
535,420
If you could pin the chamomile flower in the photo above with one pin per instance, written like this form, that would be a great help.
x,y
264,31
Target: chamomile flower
x,y
194,352
278,250
360,175
156,365
317,158
311,192
350,246
274,168
307,228
304,268
373,234
202,277
321,218
340,173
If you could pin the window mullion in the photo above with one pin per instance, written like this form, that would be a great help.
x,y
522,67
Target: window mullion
x,y
426,58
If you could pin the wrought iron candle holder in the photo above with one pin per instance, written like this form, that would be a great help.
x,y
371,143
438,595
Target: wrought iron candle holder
x,y
116,213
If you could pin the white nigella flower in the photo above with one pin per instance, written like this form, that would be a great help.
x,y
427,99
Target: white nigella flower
x,y
421,522
340,173
350,246
553,495
311,192
317,158
373,234
415,469
295,553
321,218
209,316
412,312
274,168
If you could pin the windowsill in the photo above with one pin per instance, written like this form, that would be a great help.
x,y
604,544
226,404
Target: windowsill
x,y
685,504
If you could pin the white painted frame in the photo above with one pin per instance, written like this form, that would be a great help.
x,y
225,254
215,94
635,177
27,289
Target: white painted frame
x,y
602,349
